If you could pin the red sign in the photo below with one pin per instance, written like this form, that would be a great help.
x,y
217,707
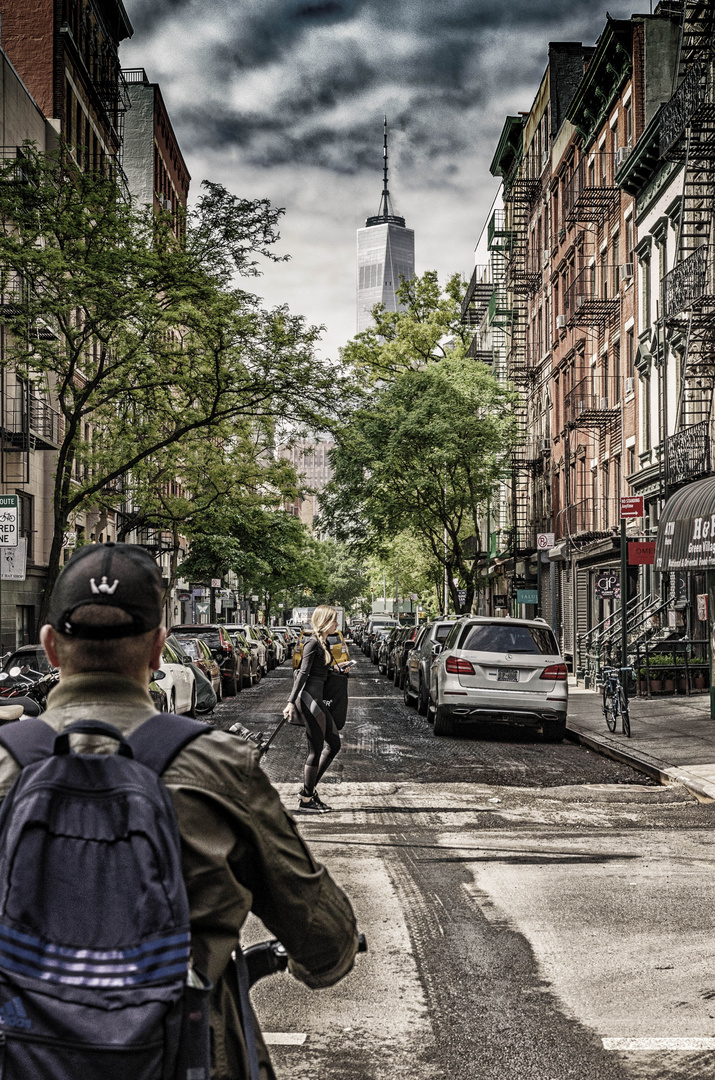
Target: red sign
x,y
632,506
641,552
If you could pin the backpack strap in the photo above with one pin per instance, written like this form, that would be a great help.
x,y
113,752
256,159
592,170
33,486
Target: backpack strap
x,y
160,738
28,740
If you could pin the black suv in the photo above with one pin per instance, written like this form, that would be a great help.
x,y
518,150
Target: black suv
x,y
219,642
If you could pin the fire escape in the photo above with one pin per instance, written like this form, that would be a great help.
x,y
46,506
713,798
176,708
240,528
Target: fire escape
x,y
474,307
687,135
521,281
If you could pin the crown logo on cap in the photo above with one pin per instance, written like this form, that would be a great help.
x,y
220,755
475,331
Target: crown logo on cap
x,y
103,587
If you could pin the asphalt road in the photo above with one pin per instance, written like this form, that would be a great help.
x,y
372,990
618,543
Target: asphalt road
x,y
531,909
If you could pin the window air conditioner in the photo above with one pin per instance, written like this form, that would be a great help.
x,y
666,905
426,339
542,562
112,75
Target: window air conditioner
x,y
544,158
546,446
560,322
546,256
626,271
630,383
621,155
604,403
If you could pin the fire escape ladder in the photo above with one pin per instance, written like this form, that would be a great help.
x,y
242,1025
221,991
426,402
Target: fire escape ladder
x,y
688,136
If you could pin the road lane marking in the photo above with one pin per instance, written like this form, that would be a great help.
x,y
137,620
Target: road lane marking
x,y
284,1038
660,1044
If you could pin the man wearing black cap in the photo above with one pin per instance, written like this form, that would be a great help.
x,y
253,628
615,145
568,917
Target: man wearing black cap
x,y
240,850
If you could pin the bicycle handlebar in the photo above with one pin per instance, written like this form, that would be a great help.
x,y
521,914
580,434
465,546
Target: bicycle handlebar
x,y
270,957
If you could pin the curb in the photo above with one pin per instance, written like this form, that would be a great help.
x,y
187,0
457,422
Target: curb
x,y
663,774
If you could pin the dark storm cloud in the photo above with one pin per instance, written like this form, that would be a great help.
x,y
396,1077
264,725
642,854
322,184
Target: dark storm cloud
x,y
305,81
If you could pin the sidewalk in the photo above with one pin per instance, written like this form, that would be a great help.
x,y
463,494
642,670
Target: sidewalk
x,y
672,738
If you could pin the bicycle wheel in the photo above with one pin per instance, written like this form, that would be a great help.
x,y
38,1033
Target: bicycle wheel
x,y
609,707
625,716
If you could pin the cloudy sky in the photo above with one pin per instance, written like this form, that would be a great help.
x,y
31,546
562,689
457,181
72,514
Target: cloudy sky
x,y
285,99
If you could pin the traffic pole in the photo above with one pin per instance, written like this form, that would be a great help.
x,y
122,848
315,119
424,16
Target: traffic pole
x,y
624,606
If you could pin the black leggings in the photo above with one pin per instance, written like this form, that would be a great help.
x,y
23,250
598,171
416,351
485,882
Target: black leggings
x,y
322,735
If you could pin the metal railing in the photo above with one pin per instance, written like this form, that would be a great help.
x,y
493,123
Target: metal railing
x,y
592,189
593,402
683,105
593,297
477,297
592,646
689,453
686,283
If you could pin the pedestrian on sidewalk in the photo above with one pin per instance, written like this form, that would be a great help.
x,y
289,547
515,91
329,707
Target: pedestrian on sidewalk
x,y
240,852
307,701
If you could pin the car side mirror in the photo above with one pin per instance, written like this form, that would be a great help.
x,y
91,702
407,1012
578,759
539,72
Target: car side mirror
x,y
157,676
436,649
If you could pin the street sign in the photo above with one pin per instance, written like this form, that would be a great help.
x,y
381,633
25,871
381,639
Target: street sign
x,y
632,506
215,582
8,520
14,561
527,596
702,601
202,607
545,541
462,595
641,552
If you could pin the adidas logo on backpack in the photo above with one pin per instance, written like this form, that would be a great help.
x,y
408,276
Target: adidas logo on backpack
x,y
95,975
13,1014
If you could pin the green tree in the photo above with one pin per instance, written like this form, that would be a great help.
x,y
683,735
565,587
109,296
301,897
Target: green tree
x,y
143,342
427,327
422,456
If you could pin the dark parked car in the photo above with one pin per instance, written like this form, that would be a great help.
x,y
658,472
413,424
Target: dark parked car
x,y
419,663
219,641
250,669
384,653
401,649
379,637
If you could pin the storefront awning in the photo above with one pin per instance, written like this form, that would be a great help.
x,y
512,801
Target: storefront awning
x,y
686,530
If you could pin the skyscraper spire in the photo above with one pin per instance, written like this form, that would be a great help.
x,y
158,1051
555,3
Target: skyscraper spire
x,y
384,214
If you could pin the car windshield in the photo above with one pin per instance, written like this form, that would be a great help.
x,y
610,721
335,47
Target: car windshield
x,y
35,660
333,639
509,639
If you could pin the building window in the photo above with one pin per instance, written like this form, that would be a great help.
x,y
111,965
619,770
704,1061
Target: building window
x,y
628,116
630,239
616,263
631,460
645,305
630,352
25,625
616,372
26,520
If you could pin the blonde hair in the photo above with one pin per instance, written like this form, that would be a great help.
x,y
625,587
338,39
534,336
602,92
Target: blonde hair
x,y
321,619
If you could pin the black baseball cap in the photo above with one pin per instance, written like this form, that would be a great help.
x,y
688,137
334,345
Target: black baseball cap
x,y
110,575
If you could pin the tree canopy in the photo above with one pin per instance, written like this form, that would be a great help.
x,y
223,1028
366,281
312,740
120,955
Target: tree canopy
x,y
424,450
144,342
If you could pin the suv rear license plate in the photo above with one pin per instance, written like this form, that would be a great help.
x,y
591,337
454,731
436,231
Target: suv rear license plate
x,y
508,674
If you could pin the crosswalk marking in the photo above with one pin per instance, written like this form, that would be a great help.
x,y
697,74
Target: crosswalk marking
x,y
284,1038
695,1043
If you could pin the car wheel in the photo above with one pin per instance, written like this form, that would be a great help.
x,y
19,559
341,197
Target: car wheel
x,y
164,703
422,702
192,706
443,722
257,676
407,695
172,703
219,692
554,730
397,678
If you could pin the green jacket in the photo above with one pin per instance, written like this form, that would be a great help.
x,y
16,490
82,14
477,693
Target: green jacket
x,y
241,852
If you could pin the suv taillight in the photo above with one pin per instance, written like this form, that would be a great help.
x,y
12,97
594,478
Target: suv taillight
x,y
556,672
455,665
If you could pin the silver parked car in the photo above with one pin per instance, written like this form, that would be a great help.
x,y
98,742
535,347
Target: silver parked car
x,y
500,671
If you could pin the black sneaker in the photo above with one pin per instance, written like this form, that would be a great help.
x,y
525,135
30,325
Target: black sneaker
x,y
311,806
323,806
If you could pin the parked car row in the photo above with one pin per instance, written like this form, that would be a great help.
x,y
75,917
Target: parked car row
x,y
202,664
475,668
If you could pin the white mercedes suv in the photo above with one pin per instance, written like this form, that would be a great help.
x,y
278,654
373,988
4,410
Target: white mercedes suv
x,y
499,670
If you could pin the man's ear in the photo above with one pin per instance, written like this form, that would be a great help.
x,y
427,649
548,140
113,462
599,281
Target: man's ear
x,y
159,639
47,638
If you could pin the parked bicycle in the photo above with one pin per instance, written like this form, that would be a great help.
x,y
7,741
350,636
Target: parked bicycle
x,y
615,701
